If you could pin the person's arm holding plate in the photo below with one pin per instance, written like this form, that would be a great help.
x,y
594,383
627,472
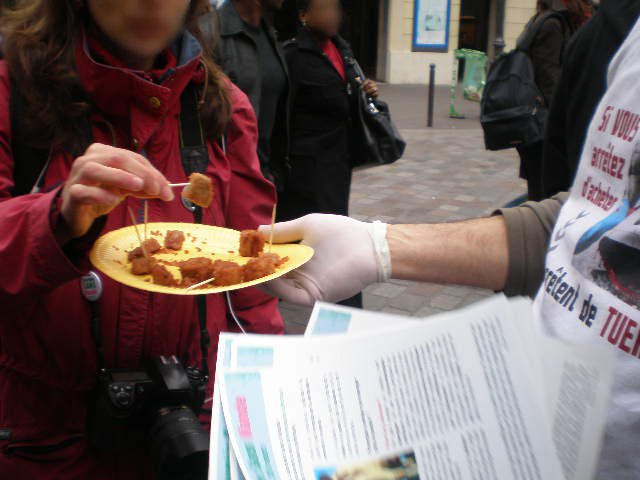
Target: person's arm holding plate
x,y
503,253
351,255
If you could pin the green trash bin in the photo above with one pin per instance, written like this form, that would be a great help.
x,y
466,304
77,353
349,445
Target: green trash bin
x,y
473,80
475,73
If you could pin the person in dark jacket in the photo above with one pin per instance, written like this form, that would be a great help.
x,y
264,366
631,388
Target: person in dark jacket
x,y
252,57
323,105
581,86
556,28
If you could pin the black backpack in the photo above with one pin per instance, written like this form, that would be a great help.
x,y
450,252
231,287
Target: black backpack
x,y
513,110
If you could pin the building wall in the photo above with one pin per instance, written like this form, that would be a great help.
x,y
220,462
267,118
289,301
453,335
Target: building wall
x,y
517,15
401,65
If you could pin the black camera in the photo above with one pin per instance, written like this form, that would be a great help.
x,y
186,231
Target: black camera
x,y
154,408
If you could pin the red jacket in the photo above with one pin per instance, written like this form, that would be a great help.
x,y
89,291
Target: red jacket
x,y
47,355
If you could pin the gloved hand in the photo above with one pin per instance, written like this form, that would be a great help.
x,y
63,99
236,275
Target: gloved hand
x,y
349,256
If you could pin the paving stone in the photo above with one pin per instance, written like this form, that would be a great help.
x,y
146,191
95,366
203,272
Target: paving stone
x,y
388,290
374,302
463,292
396,311
427,311
444,302
407,302
425,290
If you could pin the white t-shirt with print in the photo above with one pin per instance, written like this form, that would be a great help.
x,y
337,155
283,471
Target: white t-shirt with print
x,y
591,291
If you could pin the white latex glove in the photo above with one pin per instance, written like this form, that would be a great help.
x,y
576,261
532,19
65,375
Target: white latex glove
x,y
349,256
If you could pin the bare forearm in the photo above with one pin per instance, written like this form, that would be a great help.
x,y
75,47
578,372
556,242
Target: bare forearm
x,y
471,253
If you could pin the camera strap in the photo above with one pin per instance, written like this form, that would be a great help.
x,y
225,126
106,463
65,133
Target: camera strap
x,y
91,287
195,159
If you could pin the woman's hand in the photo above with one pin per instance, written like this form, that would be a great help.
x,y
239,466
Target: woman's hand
x,y
370,88
101,178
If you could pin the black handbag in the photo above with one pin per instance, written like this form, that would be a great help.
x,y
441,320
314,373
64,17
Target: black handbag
x,y
380,141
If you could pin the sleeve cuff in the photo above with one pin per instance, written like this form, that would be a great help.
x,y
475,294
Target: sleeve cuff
x,y
57,256
529,228
516,283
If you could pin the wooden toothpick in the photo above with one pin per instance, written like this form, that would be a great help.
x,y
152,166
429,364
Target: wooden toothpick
x,y
135,226
146,217
193,287
273,223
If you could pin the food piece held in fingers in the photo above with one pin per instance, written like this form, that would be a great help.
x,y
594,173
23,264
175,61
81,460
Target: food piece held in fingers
x,y
251,243
174,240
199,191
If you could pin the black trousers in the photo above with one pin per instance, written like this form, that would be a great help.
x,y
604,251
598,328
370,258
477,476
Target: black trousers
x,y
531,170
355,301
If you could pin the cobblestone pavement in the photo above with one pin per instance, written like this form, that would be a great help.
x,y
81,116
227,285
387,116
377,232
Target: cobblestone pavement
x,y
445,175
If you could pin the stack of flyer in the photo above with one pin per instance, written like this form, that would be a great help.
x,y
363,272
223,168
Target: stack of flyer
x,y
477,394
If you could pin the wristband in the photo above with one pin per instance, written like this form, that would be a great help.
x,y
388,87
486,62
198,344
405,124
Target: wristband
x,y
378,232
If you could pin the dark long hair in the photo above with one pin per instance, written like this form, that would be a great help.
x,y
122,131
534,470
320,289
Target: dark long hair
x,y
38,45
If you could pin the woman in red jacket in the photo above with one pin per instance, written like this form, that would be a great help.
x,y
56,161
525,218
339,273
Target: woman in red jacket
x,y
118,67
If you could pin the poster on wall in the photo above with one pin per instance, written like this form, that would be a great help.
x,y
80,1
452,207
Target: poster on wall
x,y
431,25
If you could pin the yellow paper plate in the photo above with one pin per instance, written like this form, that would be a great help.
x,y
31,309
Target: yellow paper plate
x,y
109,254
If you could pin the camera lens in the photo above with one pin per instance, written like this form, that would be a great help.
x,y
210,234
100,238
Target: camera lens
x,y
178,444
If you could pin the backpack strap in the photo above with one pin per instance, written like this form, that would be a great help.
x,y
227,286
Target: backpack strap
x,y
195,159
193,148
525,42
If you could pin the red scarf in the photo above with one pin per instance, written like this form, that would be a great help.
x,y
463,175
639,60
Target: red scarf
x,y
333,54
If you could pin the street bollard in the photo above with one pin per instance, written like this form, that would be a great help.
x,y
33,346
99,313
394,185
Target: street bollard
x,y
432,91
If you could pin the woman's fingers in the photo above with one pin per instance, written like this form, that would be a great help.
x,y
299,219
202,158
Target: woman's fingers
x,y
101,178
88,195
93,173
154,183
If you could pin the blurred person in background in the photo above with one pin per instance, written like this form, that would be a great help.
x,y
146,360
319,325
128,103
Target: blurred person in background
x,y
581,86
554,29
322,109
252,57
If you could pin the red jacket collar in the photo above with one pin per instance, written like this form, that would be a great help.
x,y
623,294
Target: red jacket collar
x,y
95,41
116,91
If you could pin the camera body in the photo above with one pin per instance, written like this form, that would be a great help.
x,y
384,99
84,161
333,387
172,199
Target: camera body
x,y
164,383
155,408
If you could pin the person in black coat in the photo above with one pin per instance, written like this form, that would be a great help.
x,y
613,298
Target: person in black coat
x,y
322,106
323,103
555,30
250,54
581,86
